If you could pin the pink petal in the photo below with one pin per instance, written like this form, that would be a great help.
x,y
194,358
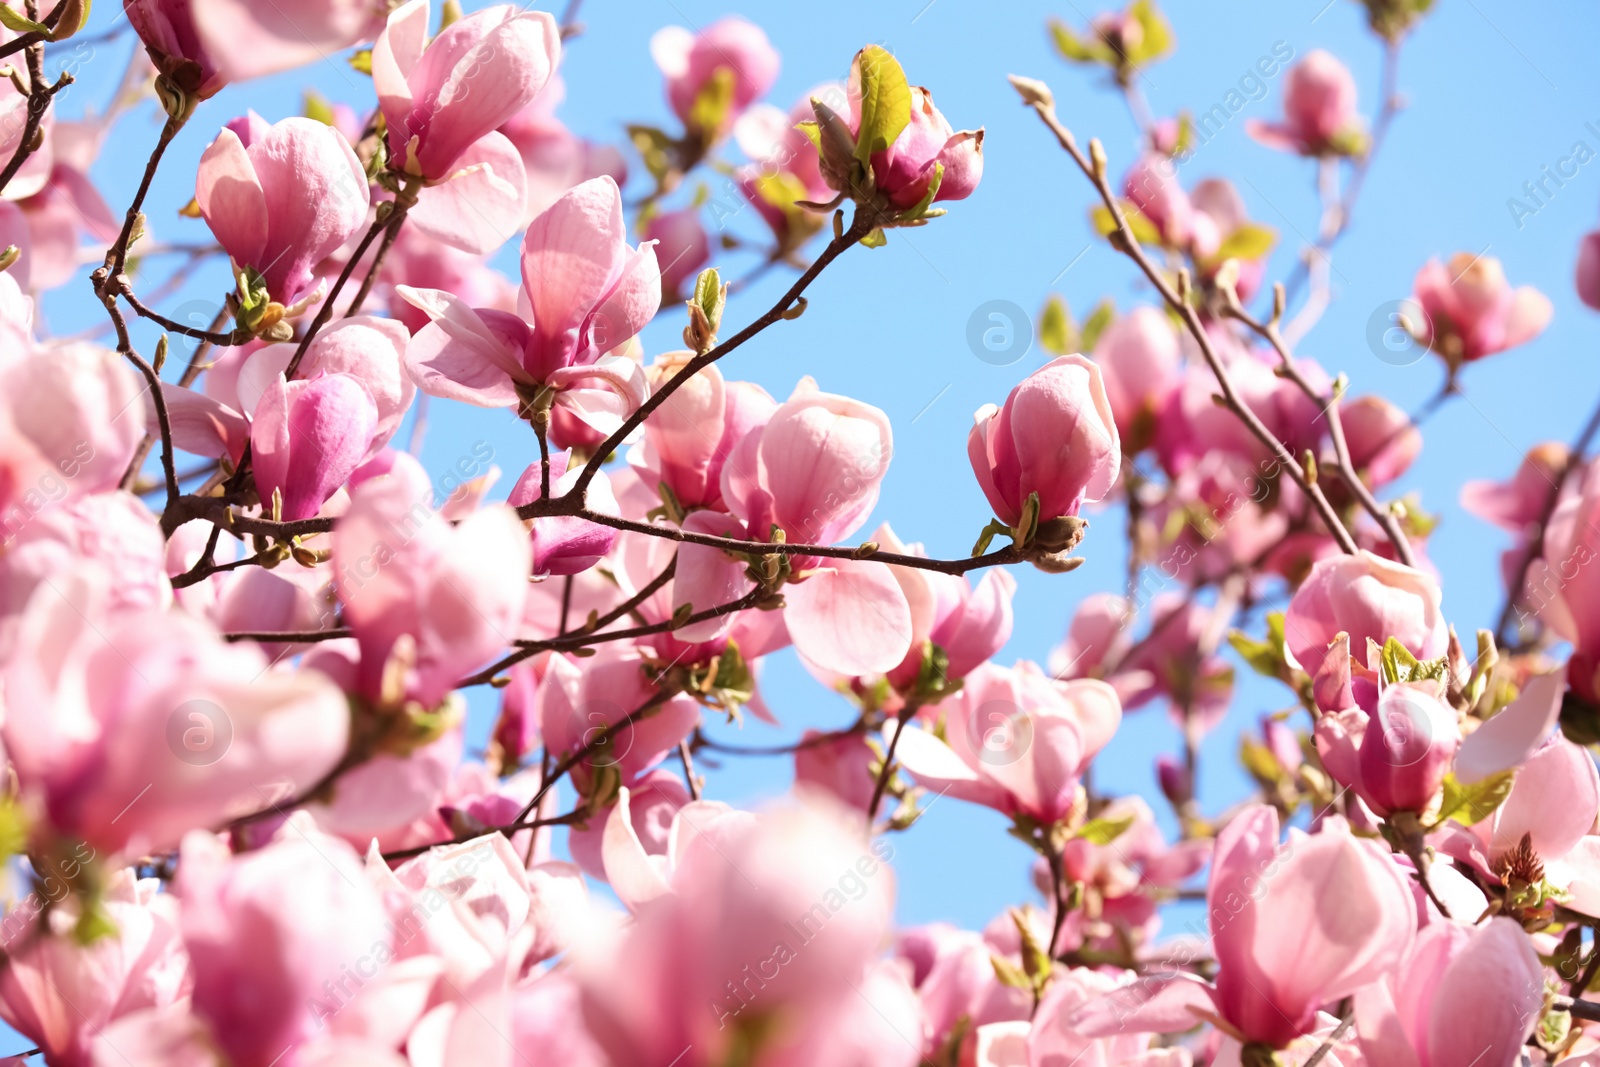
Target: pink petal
x,y
850,617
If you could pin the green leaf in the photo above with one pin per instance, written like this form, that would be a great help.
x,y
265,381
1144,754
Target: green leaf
x,y
988,534
655,147
1104,831
1398,662
710,296
812,131
1399,665
12,19
1057,335
317,107
1185,139
1260,762
1010,974
1144,231
1260,655
361,61
13,830
1074,48
1035,957
1103,315
1157,39
876,239
1248,241
885,101
713,107
1471,804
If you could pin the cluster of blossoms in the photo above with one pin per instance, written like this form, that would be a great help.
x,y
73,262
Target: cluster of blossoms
x,y
240,807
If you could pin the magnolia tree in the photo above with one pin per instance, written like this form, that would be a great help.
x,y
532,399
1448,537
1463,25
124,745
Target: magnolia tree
x,y
237,622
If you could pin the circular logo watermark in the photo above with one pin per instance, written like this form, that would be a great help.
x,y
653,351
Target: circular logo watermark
x,y
1392,331
1408,728
591,720
999,732
199,732
999,332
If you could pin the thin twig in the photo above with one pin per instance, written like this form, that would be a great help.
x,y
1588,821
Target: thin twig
x,y
1269,332
1124,241
859,227
1535,548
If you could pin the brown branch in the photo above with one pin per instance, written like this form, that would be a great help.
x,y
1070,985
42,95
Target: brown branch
x,y
1535,549
1269,332
124,287
860,226
1000,557
40,96
402,203
602,735
650,589
1035,95
1388,77
288,637
391,231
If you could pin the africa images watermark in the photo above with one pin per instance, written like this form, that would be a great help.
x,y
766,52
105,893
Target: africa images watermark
x,y
849,888
1537,193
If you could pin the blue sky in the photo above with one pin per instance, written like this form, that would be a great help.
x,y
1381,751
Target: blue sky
x,y
1493,98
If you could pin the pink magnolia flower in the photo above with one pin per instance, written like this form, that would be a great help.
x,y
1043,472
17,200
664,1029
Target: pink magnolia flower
x,y
282,203
1394,749
1319,110
1152,186
927,146
1056,436
1097,633
1514,504
813,470
218,420
1469,310
780,923
155,707
70,421
1178,660
841,766
60,993
1219,213
1561,584
714,75
683,246
554,158
1586,277
967,624
308,437
1348,903
566,544
266,930
249,40
439,97
1465,993
588,293
112,534
1383,443
1138,357
169,33
693,434
1368,598
579,697
651,807
66,211
516,731
785,167
432,600
1015,740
